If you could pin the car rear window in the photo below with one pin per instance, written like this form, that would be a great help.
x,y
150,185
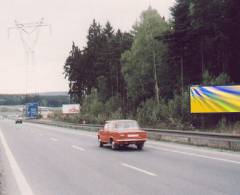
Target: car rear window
x,y
121,125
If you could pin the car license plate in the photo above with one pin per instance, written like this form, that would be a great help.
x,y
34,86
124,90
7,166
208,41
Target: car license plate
x,y
133,135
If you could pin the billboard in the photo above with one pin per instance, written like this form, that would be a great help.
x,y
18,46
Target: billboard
x,y
70,108
215,99
31,110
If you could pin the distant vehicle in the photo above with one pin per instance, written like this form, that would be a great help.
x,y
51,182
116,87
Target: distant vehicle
x,y
121,133
18,120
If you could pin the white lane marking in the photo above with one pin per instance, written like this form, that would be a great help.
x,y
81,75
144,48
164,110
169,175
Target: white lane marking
x,y
20,179
195,148
138,169
196,155
53,139
78,148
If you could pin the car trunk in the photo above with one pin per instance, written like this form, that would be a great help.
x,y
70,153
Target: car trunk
x,y
132,134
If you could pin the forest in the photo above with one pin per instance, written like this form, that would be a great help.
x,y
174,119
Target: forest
x,y
145,74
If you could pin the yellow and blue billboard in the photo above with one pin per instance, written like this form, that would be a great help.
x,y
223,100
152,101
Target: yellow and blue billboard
x,y
215,99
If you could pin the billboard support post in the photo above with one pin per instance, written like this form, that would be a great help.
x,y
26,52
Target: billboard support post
x,y
182,85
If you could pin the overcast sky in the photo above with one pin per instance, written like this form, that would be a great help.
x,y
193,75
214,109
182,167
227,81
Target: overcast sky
x,y
70,20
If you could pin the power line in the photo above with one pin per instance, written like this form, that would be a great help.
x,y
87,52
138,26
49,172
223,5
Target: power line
x,y
27,31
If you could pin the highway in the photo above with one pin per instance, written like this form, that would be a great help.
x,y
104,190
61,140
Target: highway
x,y
44,160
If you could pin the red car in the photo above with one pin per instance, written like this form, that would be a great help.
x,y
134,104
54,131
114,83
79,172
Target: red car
x,y
122,133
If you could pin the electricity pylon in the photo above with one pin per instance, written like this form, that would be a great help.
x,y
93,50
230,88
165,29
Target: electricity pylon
x,y
29,35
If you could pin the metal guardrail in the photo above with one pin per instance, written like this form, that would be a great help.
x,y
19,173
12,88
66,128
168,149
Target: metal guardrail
x,y
195,133
92,127
216,140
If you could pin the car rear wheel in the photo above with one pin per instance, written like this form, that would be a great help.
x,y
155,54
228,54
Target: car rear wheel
x,y
113,145
100,142
140,146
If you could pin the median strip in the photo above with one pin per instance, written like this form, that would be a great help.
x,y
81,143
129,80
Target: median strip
x,y
138,169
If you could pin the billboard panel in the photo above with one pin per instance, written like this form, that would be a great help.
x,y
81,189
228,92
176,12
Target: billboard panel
x,y
215,99
70,108
31,110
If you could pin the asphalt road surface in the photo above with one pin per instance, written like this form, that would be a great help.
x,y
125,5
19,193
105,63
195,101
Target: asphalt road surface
x,y
44,160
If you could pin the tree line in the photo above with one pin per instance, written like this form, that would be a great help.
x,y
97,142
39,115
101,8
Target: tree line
x,y
146,73
48,101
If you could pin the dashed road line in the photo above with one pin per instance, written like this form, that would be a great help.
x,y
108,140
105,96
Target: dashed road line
x,y
78,148
138,169
54,139
22,183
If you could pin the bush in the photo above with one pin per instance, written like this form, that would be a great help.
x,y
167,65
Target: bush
x,y
91,105
236,128
113,105
96,111
222,124
151,112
